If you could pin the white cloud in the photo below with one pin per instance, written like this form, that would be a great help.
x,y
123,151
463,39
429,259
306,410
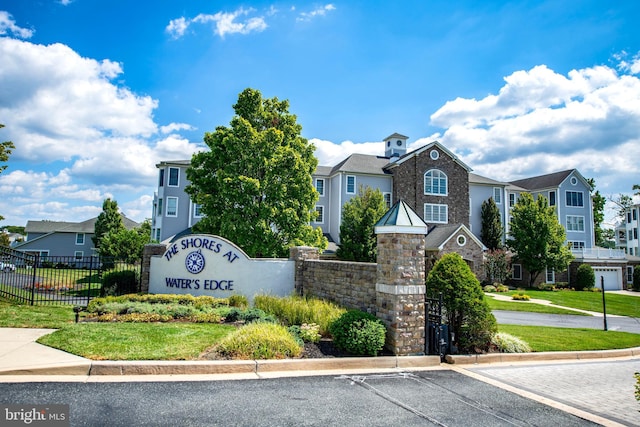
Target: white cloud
x,y
320,11
173,127
224,23
8,27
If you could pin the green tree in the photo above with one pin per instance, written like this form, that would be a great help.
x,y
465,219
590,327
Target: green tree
x,y
599,201
624,202
254,183
491,233
126,245
585,277
465,308
109,221
497,265
5,151
4,239
358,241
537,238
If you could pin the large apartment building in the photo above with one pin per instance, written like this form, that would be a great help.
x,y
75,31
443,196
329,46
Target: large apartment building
x,y
431,180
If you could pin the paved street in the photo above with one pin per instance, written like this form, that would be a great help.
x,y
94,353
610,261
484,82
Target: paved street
x,y
604,388
440,397
614,323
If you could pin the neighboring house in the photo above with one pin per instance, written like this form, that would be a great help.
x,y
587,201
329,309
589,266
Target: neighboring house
x,y
627,239
438,186
68,239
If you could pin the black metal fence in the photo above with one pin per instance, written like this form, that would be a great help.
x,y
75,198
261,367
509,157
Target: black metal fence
x,y
33,279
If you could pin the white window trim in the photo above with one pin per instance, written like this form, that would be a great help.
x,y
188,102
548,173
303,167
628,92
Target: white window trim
x,y
323,183
169,178
78,254
580,243
83,238
355,184
555,202
577,223
390,199
321,207
195,215
498,191
446,183
513,272
160,206
573,206
167,207
440,206
553,276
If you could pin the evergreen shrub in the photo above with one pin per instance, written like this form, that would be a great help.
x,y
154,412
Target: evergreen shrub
x,y
359,333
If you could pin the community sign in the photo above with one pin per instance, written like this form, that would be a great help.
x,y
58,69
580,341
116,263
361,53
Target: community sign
x,y
211,265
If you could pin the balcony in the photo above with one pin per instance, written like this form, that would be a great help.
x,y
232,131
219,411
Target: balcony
x,y
599,253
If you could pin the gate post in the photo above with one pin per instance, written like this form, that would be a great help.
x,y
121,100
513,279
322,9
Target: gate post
x,y
400,282
149,251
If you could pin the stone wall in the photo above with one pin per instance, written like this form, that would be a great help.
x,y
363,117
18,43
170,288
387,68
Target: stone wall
x,y
148,252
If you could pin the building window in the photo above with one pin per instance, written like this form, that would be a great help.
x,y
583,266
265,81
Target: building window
x,y
516,272
573,180
320,186
79,238
461,240
575,223
197,210
387,199
351,184
497,195
435,213
159,212
157,234
161,183
635,234
629,217
551,275
434,154
630,235
435,182
319,215
577,245
574,198
635,214
512,200
629,274
78,254
174,177
552,198
172,206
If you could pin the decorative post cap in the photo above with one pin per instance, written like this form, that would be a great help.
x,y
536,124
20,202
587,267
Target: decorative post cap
x,y
400,218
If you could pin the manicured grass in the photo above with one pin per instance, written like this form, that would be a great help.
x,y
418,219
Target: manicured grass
x,y
137,341
623,305
571,339
495,304
13,315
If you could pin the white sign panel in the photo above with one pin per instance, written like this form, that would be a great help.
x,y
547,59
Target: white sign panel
x,y
211,265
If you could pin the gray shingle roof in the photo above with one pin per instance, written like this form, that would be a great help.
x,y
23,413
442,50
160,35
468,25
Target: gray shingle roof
x,y
362,163
543,181
87,226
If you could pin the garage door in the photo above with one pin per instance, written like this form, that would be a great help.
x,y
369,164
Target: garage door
x,y
612,278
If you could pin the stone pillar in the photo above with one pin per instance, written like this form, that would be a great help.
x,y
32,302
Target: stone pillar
x,y
300,254
400,291
156,249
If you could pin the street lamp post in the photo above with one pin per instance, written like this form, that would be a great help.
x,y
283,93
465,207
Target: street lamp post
x,y
604,305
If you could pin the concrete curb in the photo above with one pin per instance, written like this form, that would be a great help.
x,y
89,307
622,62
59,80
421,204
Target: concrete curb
x,y
541,356
201,367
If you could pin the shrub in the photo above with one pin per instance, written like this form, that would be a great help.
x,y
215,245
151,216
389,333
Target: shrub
x,y
464,305
489,288
238,301
357,332
585,277
260,341
501,288
306,332
296,310
505,343
119,283
636,278
521,296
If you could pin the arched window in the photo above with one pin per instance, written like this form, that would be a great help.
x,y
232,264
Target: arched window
x,y
435,182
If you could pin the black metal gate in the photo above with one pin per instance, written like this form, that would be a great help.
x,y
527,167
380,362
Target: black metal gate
x,y
437,335
33,279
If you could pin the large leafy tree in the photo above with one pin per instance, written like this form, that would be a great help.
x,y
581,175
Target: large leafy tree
x,y
537,238
358,241
126,245
254,183
491,233
5,151
465,308
109,221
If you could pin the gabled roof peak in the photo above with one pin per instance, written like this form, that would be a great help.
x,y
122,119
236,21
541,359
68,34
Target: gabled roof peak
x,y
400,218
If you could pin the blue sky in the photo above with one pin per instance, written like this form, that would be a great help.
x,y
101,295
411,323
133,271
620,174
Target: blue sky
x,y
95,93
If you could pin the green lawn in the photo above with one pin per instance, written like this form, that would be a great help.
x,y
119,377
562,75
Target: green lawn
x,y
571,339
34,316
495,304
137,341
623,305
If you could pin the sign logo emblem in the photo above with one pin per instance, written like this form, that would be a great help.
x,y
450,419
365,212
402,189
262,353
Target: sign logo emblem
x,y
195,262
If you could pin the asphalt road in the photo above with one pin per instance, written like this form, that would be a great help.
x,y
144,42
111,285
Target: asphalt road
x,y
439,397
614,323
